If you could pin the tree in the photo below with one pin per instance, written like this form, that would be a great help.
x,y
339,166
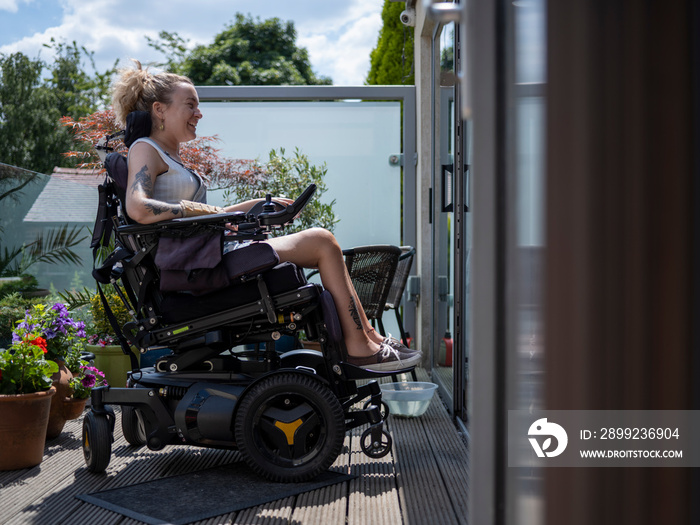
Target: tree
x,y
391,62
31,107
79,93
173,46
247,52
29,115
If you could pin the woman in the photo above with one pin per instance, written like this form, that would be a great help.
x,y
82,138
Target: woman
x,y
161,188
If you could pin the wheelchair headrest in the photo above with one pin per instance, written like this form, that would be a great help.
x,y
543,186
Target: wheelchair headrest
x,y
138,125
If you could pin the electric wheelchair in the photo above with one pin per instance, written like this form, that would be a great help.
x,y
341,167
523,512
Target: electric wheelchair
x,y
224,385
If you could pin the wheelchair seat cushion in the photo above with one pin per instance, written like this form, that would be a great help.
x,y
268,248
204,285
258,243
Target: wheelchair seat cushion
x,y
179,307
195,264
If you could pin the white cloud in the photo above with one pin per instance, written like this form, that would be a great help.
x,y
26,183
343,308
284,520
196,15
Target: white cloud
x,y
9,5
346,59
341,47
338,35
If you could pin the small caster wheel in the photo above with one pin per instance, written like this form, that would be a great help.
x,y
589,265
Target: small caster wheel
x,y
97,441
383,409
133,427
375,449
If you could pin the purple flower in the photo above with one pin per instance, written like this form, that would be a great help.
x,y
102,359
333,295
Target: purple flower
x,y
60,308
56,325
24,325
88,381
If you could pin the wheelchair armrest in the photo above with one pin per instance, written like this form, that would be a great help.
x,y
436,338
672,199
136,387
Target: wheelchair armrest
x,y
217,219
276,218
286,215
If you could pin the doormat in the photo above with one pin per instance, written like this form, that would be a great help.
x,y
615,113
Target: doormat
x,y
203,494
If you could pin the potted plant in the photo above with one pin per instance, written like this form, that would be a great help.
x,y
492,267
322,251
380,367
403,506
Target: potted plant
x,y
101,341
82,383
65,339
109,356
26,390
74,404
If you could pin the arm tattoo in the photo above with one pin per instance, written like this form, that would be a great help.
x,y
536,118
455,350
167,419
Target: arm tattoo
x,y
354,313
142,182
157,208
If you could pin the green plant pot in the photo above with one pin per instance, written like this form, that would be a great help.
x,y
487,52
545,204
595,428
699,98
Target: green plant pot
x,y
111,360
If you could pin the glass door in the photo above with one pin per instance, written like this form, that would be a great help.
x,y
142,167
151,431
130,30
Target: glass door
x,y
450,229
442,177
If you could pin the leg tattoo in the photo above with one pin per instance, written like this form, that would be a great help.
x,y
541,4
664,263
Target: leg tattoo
x,y
354,313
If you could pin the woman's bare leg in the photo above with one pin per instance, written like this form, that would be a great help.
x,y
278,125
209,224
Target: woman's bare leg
x,y
318,248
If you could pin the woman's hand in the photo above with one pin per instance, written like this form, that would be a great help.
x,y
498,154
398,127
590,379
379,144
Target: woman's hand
x,y
283,201
247,205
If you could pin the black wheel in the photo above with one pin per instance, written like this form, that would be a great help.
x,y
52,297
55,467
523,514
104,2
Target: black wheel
x,y
289,427
97,441
378,448
132,426
383,409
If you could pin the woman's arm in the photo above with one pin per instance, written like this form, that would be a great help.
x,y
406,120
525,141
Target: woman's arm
x,y
144,166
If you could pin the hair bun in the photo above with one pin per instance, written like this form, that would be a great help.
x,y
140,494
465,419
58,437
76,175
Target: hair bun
x,y
137,89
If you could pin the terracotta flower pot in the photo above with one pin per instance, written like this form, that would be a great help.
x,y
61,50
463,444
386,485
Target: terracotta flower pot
x,y
23,422
61,381
73,408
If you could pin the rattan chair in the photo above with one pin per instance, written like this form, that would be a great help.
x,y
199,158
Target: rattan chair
x,y
398,285
374,271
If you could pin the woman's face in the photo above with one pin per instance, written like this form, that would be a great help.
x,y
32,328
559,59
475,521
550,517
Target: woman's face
x,y
181,116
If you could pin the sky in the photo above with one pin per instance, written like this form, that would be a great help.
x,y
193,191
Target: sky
x,y
339,35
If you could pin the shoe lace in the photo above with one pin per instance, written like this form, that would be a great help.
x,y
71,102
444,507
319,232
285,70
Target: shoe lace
x,y
387,349
397,344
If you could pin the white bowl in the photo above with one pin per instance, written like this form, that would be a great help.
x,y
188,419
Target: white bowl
x,y
408,398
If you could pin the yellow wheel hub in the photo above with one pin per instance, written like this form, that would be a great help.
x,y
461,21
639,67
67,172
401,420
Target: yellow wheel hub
x,y
289,429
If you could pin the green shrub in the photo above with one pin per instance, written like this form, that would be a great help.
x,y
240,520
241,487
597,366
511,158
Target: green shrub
x,y
26,283
288,177
100,322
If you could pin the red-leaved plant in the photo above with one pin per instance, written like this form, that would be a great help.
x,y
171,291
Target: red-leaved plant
x,y
199,154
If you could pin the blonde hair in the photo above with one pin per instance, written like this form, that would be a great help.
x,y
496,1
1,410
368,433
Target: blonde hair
x,y
137,89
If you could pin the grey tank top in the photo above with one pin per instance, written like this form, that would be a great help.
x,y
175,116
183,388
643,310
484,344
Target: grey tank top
x,y
178,182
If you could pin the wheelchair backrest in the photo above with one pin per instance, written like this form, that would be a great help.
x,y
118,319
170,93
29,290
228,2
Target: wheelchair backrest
x,y
112,202
118,172
131,260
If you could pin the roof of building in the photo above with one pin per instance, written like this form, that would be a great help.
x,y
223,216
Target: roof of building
x,y
69,196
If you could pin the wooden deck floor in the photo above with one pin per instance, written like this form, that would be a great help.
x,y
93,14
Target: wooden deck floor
x,y
423,481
